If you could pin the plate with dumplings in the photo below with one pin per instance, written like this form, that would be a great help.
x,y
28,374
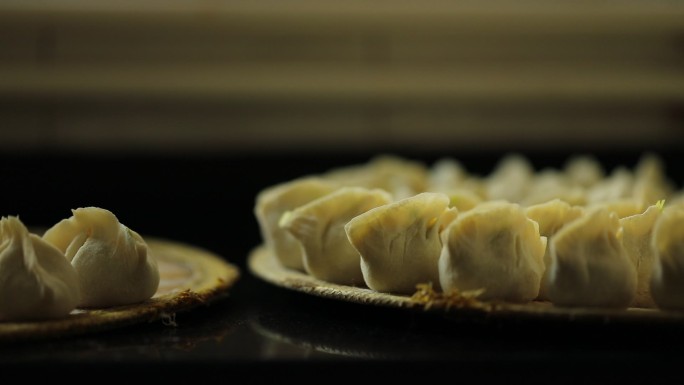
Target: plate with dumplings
x,y
91,273
572,244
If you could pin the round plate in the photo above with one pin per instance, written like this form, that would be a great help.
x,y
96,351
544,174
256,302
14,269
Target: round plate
x,y
265,266
189,276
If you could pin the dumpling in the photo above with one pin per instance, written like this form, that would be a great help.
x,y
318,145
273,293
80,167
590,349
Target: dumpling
x,y
446,174
494,247
463,200
617,186
624,207
449,177
551,184
636,237
667,279
399,243
584,171
589,265
551,217
650,182
510,180
113,263
36,281
401,177
273,202
319,227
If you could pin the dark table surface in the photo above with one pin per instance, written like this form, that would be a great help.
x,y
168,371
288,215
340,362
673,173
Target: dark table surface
x,y
262,333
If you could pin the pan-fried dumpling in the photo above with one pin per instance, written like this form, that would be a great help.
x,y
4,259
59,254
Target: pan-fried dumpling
x,y
113,263
273,202
637,231
36,281
319,227
667,279
494,247
589,265
399,243
401,177
551,217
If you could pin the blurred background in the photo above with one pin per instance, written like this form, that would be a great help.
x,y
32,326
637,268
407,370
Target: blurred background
x,y
174,114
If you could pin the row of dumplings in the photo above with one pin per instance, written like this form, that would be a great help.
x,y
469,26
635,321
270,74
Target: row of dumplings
x,y
88,260
575,236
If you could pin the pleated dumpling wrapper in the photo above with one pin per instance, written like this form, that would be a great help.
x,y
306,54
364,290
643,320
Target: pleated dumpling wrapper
x,y
399,243
319,227
551,217
618,185
510,180
36,281
623,207
637,232
494,247
667,277
550,184
584,171
273,202
651,183
113,263
449,177
589,264
400,177
446,174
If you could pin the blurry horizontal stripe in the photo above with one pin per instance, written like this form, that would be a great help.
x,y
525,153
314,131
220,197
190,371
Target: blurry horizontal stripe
x,y
484,83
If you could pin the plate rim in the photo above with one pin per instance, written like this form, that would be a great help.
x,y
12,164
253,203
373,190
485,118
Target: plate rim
x,y
264,265
223,274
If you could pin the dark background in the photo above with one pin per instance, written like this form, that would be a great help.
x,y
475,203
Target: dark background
x,y
174,115
208,200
